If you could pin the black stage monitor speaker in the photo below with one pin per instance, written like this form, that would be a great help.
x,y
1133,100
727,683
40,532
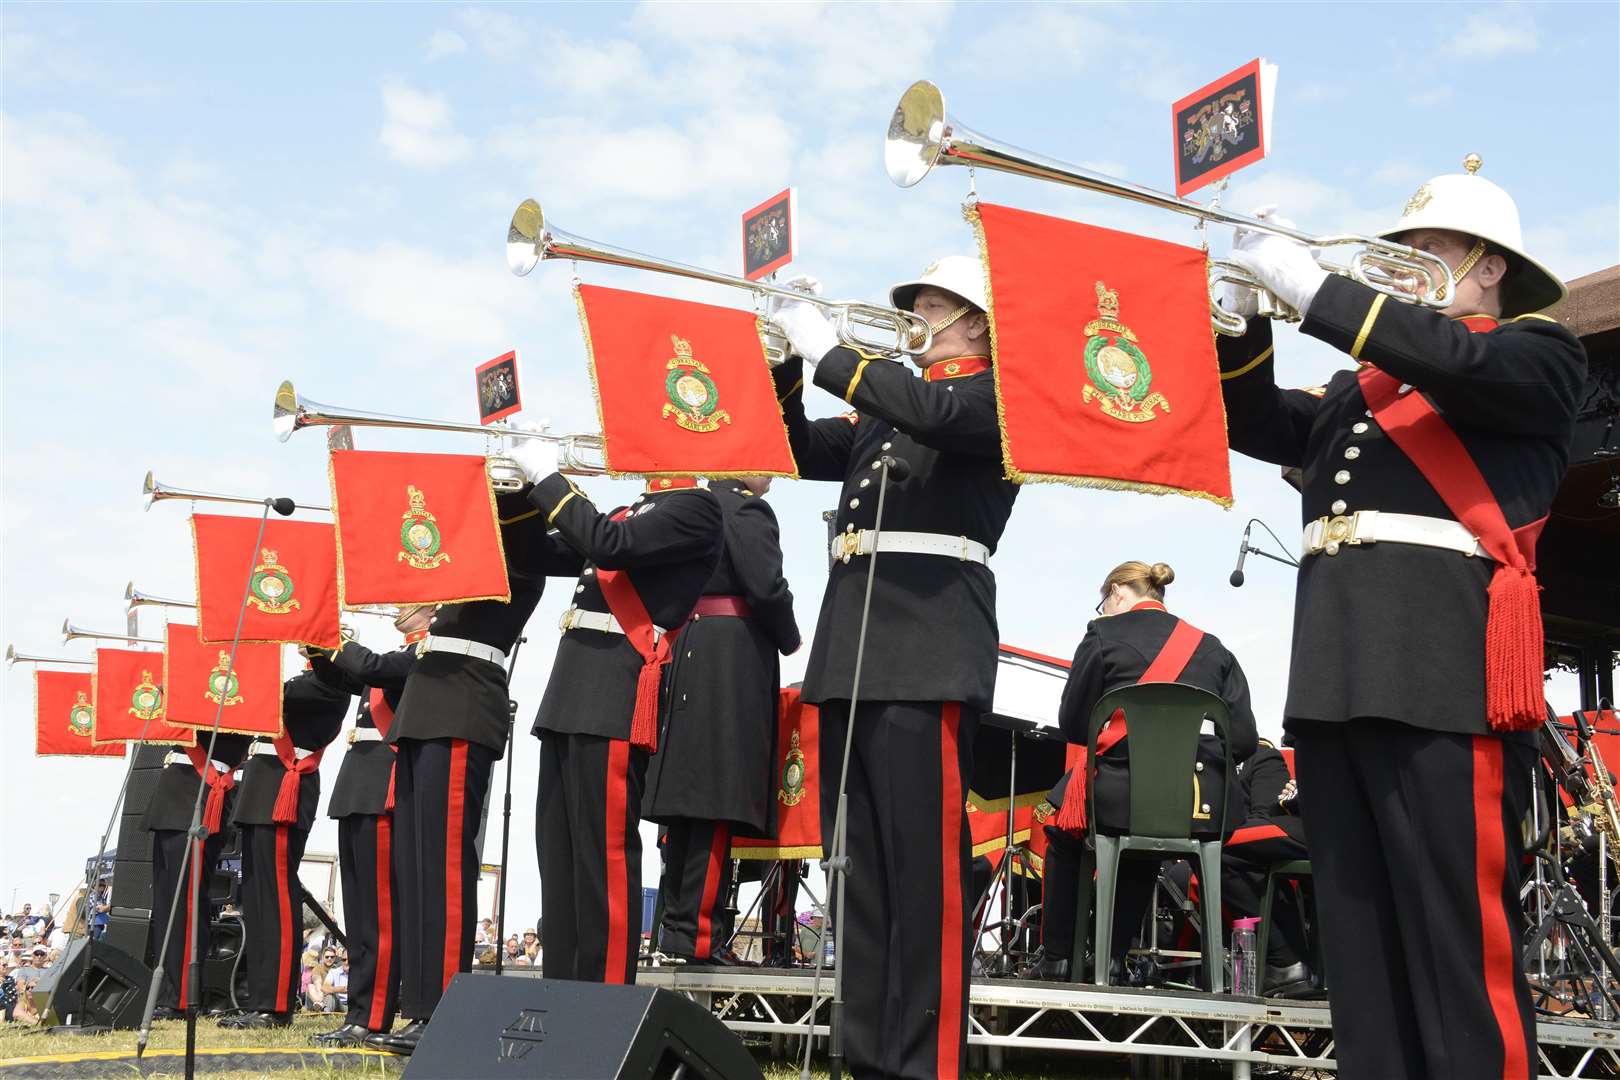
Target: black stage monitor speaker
x,y
544,1029
117,987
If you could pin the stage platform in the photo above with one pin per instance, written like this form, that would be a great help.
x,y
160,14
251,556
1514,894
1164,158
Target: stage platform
x,y
1010,1014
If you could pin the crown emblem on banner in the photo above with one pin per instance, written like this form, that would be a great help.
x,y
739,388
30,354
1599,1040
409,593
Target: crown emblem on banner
x,y
419,536
694,399
81,715
223,683
792,774
1121,376
271,587
147,700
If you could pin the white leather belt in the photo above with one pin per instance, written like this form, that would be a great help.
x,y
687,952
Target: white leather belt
x,y
1325,536
262,747
178,757
364,734
461,647
580,619
847,545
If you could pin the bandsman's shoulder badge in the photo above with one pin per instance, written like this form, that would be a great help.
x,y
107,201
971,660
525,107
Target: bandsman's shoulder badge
x,y
271,588
792,774
1044,812
1121,377
81,716
222,682
147,700
694,399
419,534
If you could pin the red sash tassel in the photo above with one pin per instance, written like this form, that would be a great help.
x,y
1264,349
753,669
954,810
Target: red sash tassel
x,y
625,604
1166,667
286,810
1514,694
219,782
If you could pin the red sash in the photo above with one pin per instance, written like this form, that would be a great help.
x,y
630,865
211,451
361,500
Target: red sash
x,y
1167,666
219,782
625,604
286,810
1514,694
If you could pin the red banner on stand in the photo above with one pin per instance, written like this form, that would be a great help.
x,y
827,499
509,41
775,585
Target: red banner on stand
x,y
416,529
1105,363
127,692
198,679
682,389
798,792
65,716
290,579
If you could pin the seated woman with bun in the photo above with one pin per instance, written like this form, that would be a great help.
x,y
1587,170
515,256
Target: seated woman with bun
x,y
1118,650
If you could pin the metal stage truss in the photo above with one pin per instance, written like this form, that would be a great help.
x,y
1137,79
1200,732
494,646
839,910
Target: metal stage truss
x,y
1013,1015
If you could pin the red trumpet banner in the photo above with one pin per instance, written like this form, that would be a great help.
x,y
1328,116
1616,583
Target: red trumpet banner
x,y
416,529
65,716
196,677
1106,374
128,694
682,389
290,578
798,786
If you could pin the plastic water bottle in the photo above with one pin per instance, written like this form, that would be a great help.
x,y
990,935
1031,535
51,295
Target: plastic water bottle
x,y
1245,964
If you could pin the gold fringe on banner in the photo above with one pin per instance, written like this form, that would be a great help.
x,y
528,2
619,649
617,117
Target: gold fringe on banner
x,y
812,851
224,723
1010,470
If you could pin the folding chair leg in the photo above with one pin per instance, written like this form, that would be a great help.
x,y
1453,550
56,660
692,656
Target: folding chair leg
x,y
1266,900
1209,903
1107,885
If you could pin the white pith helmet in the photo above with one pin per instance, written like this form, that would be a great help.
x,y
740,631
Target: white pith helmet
x,y
1467,203
962,275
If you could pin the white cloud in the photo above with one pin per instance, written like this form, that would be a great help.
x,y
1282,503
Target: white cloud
x,y
445,43
417,294
499,35
418,128
1495,32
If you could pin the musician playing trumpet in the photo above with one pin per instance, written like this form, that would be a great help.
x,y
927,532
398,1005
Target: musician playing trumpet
x,y
930,664
1416,669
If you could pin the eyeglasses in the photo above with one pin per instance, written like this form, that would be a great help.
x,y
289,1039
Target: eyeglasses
x,y
1100,603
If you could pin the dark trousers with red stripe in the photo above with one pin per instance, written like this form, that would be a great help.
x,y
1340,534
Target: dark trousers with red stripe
x,y
585,823
370,915
696,886
1252,849
168,849
439,789
1415,845
272,915
904,939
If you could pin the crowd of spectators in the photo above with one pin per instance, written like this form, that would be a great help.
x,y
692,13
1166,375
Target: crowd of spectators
x,y
516,952
30,942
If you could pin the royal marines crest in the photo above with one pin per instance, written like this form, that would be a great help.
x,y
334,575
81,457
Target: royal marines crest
x,y
147,700
81,716
222,682
419,534
1121,377
1044,812
792,774
270,589
1420,198
694,399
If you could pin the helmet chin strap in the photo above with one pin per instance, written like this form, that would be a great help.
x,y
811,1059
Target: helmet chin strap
x,y
1468,264
939,327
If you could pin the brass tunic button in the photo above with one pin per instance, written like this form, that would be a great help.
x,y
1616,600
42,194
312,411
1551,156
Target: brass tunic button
x,y
1342,476
1339,506
579,588
1198,766
854,503
865,481
1351,453
1359,427
888,445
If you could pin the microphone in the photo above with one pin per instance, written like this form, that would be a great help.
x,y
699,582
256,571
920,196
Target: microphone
x,y
283,506
899,467
1236,580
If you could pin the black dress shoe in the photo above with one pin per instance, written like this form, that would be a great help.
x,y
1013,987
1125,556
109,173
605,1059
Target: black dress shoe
x,y
347,1035
251,1020
164,1012
727,958
402,1041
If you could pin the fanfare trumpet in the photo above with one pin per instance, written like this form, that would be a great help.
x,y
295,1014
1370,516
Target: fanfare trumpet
x,y
156,492
13,657
135,598
74,633
922,135
581,455
869,327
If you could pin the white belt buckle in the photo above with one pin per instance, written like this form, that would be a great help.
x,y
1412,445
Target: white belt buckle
x,y
566,623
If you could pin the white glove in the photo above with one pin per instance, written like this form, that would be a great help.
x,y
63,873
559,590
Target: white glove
x,y
1286,267
807,329
1239,299
536,457
801,283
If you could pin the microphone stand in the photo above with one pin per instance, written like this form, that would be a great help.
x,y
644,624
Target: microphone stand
x,y
506,814
196,841
837,866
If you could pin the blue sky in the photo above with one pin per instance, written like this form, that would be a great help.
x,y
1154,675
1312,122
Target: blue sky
x,y
201,200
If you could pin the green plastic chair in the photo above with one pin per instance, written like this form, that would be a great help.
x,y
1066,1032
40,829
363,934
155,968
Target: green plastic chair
x,y
1165,721
1293,870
